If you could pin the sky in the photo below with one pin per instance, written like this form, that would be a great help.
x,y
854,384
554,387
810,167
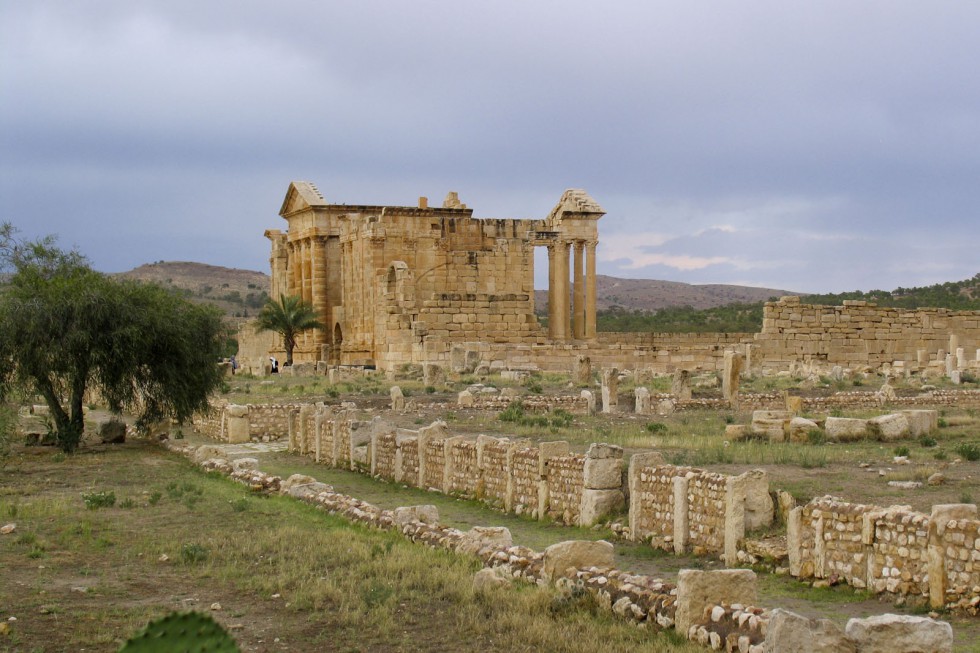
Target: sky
x,y
797,145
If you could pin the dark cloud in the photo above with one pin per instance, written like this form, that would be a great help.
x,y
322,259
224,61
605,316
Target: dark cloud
x,y
805,146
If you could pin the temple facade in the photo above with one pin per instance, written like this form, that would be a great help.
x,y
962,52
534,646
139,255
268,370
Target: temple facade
x,y
403,284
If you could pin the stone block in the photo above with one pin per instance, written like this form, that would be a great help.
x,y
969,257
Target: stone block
x,y
238,430
427,514
603,450
788,631
894,633
642,403
397,398
737,432
889,427
235,410
562,559
846,429
800,429
486,579
921,422
603,473
698,590
598,504
771,423
465,399
295,480
549,450
589,401
480,537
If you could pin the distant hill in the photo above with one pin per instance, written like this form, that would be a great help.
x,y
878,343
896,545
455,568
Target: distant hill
x,y
957,295
652,295
239,293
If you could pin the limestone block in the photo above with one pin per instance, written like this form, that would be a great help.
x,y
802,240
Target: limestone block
x,y
794,404
759,506
560,560
771,423
921,422
889,427
549,450
800,428
207,452
788,631
666,407
589,401
295,480
846,429
597,504
433,374
397,398
680,387
238,430
894,633
610,390
480,537
697,590
465,399
234,410
603,473
304,369
603,450
642,396
583,370
240,464
427,514
733,362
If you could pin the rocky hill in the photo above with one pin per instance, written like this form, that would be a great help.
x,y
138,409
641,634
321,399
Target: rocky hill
x,y
652,295
239,293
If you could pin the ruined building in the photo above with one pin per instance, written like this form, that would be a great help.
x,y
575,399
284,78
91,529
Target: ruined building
x,y
398,284
419,284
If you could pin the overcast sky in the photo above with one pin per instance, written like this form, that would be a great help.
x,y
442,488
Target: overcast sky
x,y
809,146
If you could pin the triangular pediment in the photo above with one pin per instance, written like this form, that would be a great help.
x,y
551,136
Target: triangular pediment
x,y
300,196
575,202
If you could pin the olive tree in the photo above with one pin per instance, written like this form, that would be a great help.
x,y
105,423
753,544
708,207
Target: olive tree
x,y
66,329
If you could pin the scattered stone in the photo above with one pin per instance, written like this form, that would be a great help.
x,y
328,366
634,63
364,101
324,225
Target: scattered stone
x,y
163,558
486,579
560,558
697,590
936,479
480,537
905,485
6,529
788,631
215,607
890,633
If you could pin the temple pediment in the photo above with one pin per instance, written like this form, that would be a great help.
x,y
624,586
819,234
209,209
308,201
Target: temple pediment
x,y
300,196
575,202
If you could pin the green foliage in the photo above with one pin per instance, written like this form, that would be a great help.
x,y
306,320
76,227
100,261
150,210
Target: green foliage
x,y
96,500
733,318
289,317
514,413
656,427
957,295
902,450
191,632
194,553
66,329
928,442
969,451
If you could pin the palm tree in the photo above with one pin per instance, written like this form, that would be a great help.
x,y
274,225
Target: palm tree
x,y
289,317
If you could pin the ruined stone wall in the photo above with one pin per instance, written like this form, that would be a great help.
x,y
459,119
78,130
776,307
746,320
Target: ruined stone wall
x,y
574,404
895,550
341,436
384,456
652,504
858,333
211,424
495,471
465,479
526,480
566,475
706,512
435,464
409,448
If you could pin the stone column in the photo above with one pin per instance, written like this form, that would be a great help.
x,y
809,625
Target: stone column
x,y
552,292
590,290
293,271
319,289
562,278
578,293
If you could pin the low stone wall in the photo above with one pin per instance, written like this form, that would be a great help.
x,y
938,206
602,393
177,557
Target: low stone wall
x,y
895,550
684,509
712,608
565,483
575,404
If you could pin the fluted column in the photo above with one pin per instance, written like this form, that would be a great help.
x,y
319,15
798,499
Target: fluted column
x,y
590,282
578,293
293,266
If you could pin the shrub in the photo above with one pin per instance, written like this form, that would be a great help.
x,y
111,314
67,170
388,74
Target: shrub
x,y
816,436
969,451
535,388
656,427
429,389
194,553
96,500
902,451
928,442
940,455
942,423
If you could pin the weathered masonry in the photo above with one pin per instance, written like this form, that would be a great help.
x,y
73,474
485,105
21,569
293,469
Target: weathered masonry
x,y
395,284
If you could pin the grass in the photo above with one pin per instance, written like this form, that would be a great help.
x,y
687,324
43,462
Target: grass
x,y
280,569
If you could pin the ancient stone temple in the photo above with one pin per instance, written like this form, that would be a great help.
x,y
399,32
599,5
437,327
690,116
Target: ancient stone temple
x,y
400,284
